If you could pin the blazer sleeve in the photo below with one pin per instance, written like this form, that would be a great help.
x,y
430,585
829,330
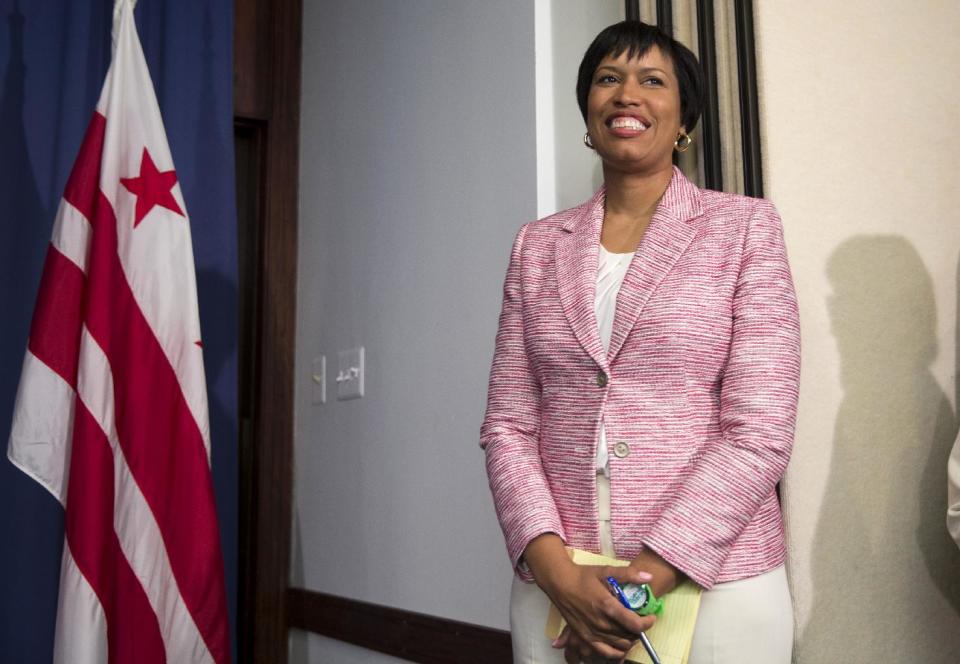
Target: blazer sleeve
x,y
953,492
728,483
510,432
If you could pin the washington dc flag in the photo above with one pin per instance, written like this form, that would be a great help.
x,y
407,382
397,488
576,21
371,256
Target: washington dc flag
x,y
111,414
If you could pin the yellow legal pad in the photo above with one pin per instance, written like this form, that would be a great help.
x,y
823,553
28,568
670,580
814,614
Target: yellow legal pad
x,y
671,635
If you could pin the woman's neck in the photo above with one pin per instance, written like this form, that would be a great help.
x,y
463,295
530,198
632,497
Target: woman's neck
x,y
631,200
634,195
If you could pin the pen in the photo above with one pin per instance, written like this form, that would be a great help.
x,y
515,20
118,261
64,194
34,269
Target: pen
x,y
618,593
649,648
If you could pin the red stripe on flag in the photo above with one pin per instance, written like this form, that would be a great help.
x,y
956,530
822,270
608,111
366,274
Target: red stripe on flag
x,y
83,185
133,633
161,441
58,317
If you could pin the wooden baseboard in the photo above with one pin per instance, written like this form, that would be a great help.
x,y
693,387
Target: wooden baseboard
x,y
412,636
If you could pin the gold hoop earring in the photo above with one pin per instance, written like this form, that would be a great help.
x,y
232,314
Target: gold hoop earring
x,y
586,140
683,142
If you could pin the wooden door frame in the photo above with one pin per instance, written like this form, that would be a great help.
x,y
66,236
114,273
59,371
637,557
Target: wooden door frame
x,y
267,102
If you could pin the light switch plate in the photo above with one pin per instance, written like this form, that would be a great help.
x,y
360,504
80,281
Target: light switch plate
x,y
350,374
318,378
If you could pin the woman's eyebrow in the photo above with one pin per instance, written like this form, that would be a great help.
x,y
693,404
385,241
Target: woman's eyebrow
x,y
642,70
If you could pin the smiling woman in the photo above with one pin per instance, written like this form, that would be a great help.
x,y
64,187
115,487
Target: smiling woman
x,y
635,98
668,70
661,320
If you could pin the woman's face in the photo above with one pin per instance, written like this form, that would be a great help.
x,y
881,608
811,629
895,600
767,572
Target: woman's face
x,y
633,111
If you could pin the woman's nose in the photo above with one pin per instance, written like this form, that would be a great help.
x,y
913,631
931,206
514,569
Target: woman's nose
x,y
629,93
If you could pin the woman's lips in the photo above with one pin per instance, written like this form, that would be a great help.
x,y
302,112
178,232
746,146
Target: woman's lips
x,y
626,126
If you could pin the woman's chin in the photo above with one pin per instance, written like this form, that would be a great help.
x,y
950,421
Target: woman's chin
x,y
637,164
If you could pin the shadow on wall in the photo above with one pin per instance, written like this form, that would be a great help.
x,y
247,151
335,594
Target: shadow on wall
x,y
27,221
32,522
208,199
886,575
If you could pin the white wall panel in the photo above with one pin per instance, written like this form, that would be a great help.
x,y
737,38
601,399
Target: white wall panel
x,y
858,103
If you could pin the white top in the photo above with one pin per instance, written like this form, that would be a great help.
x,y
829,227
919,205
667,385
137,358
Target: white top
x,y
611,269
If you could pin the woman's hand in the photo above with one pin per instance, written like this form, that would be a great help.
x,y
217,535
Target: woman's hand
x,y
666,577
598,625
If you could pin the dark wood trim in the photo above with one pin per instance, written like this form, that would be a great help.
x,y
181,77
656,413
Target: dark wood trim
x,y
665,16
749,105
413,636
251,59
710,126
632,10
250,144
267,89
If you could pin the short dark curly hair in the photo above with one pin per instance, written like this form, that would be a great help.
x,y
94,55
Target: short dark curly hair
x,y
636,38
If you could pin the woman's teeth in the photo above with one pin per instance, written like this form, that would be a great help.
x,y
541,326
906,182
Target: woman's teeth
x,y
627,123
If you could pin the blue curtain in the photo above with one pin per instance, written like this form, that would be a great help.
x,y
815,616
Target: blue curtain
x,y
53,57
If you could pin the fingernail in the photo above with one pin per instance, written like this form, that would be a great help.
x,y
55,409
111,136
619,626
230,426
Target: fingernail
x,y
556,643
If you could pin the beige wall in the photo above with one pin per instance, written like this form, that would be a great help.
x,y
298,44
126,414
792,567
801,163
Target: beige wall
x,y
860,102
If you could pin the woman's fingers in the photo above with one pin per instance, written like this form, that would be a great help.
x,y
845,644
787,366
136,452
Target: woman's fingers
x,y
571,652
622,621
598,625
622,616
629,575
603,631
628,622
609,625
599,637
608,652
578,650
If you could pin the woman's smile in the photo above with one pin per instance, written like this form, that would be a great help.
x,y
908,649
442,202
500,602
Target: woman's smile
x,y
627,125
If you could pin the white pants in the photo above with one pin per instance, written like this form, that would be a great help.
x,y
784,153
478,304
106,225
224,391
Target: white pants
x,y
739,622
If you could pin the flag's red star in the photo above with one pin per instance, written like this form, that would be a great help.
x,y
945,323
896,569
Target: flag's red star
x,y
152,188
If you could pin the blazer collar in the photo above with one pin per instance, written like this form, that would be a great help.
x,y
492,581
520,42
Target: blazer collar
x,y
665,240
681,201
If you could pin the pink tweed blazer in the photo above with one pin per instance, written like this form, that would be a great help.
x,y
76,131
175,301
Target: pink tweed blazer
x,y
697,392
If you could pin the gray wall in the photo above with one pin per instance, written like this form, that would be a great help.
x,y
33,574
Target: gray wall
x,y
418,166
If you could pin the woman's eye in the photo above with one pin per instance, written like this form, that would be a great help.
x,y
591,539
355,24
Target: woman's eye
x,y
606,78
652,80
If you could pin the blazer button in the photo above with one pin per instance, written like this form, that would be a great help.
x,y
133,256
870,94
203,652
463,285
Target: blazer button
x,y
601,379
622,450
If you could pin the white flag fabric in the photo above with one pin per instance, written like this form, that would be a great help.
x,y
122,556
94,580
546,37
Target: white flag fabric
x,y
111,414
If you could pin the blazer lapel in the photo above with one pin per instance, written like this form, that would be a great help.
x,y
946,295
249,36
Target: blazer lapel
x,y
577,252
667,237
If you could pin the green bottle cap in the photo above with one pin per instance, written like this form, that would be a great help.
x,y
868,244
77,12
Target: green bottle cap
x,y
642,600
